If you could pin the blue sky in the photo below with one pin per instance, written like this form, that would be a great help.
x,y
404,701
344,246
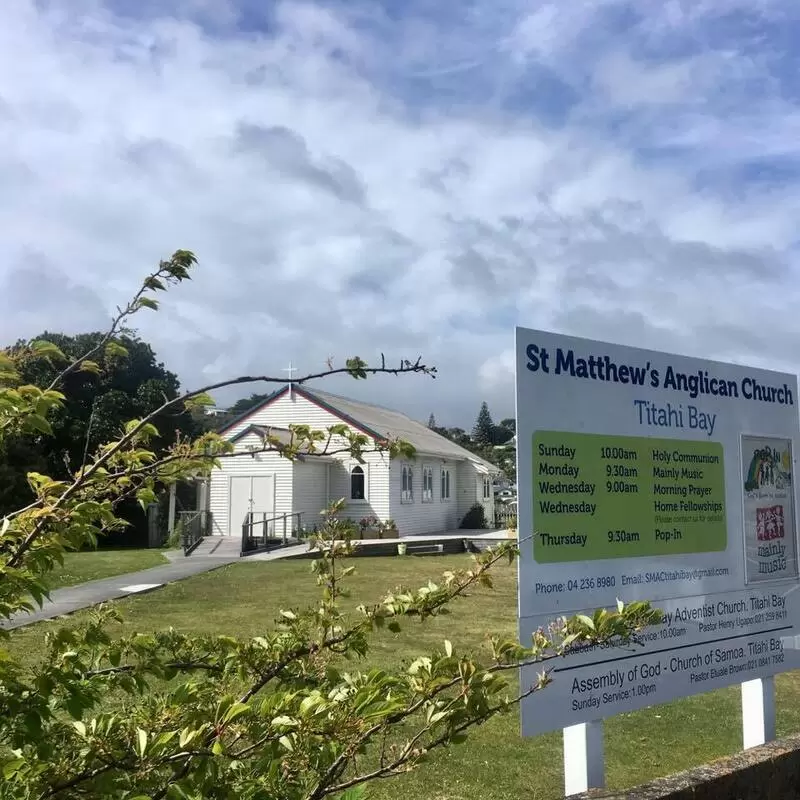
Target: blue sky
x,y
360,177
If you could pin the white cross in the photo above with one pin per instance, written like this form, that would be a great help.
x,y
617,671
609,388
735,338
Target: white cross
x,y
290,369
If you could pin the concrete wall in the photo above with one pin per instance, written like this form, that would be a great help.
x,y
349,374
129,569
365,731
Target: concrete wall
x,y
769,772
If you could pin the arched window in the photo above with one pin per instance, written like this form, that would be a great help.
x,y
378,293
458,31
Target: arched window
x,y
358,484
445,488
407,492
427,484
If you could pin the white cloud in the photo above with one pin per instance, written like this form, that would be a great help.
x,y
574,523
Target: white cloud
x,y
497,372
353,187
625,82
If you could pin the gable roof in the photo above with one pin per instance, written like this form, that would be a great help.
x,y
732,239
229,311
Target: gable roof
x,y
282,435
379,423
278,439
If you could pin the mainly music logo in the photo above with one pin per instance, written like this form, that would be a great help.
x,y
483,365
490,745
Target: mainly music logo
x,y
769,523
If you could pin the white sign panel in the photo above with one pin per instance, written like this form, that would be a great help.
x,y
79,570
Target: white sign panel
x,y
648,476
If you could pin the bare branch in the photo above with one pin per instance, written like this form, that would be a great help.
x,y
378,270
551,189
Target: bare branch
x,y
181,666
88,439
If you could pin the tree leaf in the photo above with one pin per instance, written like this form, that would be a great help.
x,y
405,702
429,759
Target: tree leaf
x,y
10,768
200,400
141,742
236,710
148,302
353,793
90,366
47,350
116,350
154,284
187,734
74,706
35,422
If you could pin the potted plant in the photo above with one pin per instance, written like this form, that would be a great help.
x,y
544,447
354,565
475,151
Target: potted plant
x,y
370,527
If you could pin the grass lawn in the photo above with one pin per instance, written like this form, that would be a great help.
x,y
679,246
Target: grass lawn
x,y
95,564
495,763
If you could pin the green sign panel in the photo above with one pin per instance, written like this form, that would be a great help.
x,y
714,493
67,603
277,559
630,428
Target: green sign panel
x,y
598,497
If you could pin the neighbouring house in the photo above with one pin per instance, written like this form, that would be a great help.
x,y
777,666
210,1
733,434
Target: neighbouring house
x,y
430,493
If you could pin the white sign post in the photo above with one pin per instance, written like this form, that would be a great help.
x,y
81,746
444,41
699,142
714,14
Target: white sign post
x,y
584,762
648,476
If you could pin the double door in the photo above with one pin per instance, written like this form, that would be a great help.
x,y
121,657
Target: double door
x,y
254,495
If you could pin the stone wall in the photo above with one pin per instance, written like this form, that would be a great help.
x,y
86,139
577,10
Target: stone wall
x,y
769,772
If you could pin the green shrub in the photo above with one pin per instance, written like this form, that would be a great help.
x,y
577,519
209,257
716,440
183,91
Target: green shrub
x,y
475,518
175,539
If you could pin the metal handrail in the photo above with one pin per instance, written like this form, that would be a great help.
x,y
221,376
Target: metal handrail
x,y
259,531
195,525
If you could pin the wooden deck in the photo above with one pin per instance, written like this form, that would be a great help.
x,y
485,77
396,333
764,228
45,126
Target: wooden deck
x,y
457,541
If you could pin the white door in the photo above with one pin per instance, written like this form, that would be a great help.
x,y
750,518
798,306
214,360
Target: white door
x,y
485,490
250,494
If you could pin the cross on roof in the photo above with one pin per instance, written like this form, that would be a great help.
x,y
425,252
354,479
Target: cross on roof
x,y
290,369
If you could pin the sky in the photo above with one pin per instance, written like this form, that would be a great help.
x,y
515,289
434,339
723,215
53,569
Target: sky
x,y
410,178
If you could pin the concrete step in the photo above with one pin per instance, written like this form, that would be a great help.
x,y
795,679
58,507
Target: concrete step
x,y
220,546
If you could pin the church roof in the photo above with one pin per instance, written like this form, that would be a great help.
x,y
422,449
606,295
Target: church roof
x,y
381,423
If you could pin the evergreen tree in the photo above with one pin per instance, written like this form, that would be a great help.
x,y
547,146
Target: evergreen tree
x,y
432,422
483,432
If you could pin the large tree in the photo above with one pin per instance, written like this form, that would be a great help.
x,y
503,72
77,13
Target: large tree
x,y
122,380
19,455
483,430
246,403
459,436
501,434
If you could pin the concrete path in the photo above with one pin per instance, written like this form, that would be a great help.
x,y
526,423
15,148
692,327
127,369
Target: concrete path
x,y
73,598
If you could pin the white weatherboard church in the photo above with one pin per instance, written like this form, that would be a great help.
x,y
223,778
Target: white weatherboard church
x,y
428,494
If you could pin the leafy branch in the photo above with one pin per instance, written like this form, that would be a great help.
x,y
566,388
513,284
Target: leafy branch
x,y
170,715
